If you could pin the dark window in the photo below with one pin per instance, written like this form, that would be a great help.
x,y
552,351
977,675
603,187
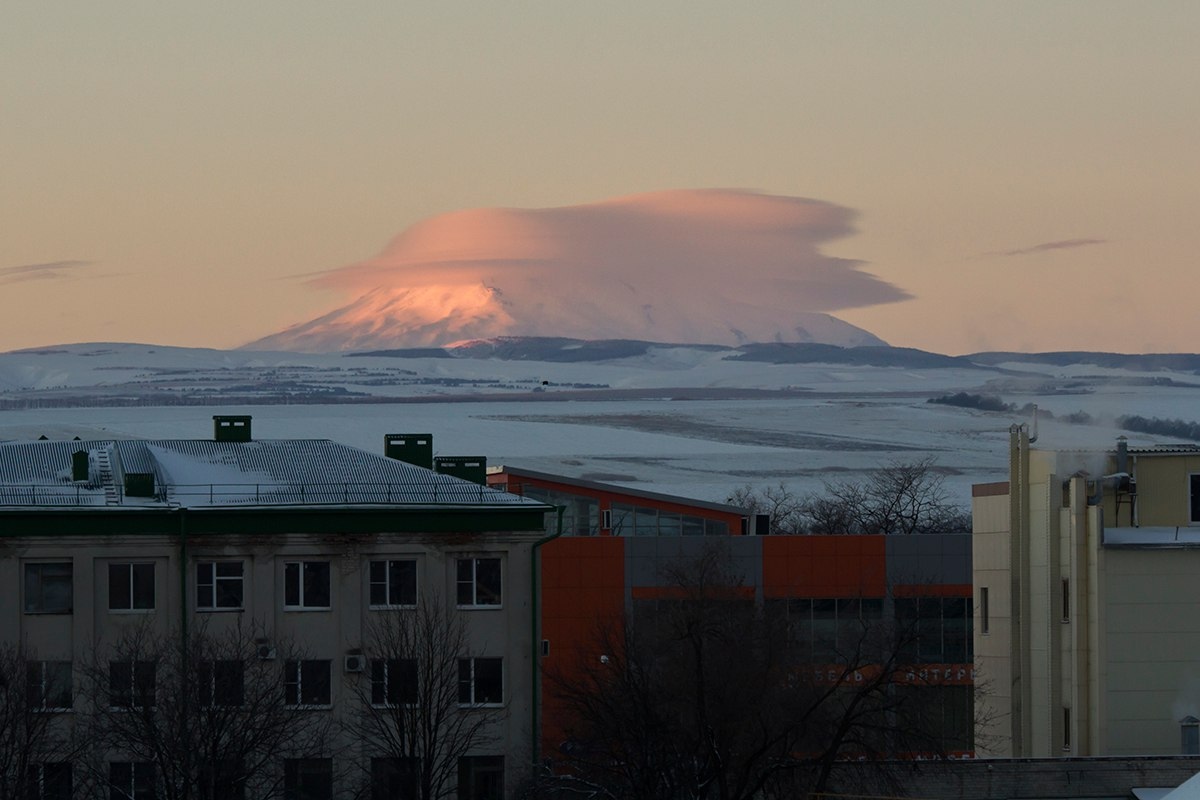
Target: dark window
x,y
1066,599
308,779
1194,485
1189,734
480,681
306,683
50,780
48,685
984,611
393,681
393,779
306,584
479,582
130,587
1066,729
481,778
394,583
48,588
131,780
222,782
220,684
219,585
131,684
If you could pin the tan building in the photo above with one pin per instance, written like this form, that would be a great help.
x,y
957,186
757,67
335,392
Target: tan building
x,y
306,542
1087,595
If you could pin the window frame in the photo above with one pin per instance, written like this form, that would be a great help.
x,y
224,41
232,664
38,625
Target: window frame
x,y
473,770
473,582
213,691
133,785
469,679
142,676
387,584
36,567
294,676
384,683
294,772
302,566
36,780
43,683
215,581
130,579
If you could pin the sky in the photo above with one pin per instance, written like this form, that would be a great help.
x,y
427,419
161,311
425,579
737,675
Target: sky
x,y
1025,174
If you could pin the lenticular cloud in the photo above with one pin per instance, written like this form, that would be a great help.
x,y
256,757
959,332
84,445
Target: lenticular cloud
x,y
714,266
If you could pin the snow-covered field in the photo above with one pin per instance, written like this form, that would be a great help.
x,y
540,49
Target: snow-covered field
x,y
834,421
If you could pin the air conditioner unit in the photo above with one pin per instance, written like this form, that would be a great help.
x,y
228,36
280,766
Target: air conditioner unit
x,y
266,652
354,663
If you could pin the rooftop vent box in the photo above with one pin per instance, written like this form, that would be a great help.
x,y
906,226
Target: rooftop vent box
x,y
231,428
411,448
469,468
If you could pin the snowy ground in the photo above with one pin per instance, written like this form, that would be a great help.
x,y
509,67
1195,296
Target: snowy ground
x,y
849,420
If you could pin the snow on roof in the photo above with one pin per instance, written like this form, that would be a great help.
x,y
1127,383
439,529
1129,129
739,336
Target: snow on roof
x,y
193,472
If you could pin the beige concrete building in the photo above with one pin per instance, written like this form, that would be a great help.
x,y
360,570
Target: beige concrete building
x,y
305,542
1087,598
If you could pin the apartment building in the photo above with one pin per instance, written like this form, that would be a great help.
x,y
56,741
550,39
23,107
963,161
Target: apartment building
x,y
307,546
1088,624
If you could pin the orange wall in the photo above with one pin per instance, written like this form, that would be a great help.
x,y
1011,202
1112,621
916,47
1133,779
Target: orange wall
x,y
824,566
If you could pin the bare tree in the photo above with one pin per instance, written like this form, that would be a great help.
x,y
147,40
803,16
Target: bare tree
x,y
29,732
898,498
710,694
203,716
424,702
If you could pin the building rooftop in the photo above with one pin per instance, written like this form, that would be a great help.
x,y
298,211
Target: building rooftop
x,y
204,473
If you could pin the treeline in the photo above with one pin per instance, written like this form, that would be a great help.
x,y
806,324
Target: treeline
x,y
1175,428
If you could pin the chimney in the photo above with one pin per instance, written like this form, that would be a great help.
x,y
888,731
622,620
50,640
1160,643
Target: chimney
x,y
231,428
469,468
411,448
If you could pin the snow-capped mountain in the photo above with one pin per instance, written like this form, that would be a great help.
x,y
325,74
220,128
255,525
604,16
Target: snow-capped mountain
x,y
713,266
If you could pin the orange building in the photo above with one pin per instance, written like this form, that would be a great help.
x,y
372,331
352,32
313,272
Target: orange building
x,y
617,540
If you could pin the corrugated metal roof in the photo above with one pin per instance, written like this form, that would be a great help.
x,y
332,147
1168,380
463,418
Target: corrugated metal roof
x,y
192,472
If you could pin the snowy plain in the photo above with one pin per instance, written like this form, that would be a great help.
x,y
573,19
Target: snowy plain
x,y
676,420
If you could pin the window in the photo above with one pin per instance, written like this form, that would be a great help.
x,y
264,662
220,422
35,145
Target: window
x,y
222,781
1189,735
1066,599
393,681
480,681
308,779
306,683
131,780
306,585
481,778
219,585
50,780
1066,737
131,684
984,619
131,587
393,583
1194,492
479,582
220,684
48,685
48,588
393,777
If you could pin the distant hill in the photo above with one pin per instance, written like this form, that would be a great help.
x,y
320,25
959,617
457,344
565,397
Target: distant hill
x,y
1135,362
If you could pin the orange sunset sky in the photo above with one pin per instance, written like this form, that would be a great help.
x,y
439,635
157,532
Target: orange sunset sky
x,y
1017,175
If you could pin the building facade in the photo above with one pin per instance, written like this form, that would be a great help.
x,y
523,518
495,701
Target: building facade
x,y
619,544
308,546
1087,629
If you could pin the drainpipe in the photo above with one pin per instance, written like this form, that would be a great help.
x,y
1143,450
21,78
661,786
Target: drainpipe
x,y
535,628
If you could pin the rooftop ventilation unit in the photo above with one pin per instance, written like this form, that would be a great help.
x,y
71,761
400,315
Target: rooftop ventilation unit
x,y
411,448
231,428
469,468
